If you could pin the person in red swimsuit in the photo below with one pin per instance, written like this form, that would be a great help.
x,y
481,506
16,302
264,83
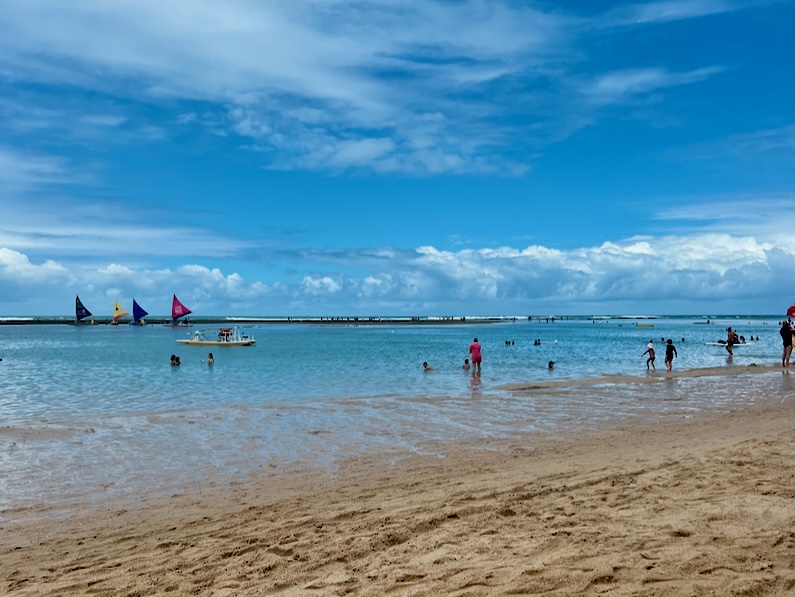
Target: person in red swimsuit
x,y
474,350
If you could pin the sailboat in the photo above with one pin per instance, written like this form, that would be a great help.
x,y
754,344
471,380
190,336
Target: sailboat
x,y
80,310
138,314
118,313
178,310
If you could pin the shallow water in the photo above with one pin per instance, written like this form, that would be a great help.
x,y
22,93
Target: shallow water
x,y
97,411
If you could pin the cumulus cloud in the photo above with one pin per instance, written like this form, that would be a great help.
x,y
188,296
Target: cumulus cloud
x,y
706,268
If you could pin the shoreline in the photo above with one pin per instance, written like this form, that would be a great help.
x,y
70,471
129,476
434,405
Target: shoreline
x,y
666,507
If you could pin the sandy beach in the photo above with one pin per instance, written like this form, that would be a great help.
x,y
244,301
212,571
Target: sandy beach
x,y
680,506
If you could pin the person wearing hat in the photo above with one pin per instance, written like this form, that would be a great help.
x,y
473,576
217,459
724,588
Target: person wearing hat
x,y
650,351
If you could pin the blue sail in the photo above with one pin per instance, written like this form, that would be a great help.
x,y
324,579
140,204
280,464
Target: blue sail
x,y
80,311
138,312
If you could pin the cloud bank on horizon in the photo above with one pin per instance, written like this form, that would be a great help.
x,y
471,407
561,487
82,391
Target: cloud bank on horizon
x,y
357,158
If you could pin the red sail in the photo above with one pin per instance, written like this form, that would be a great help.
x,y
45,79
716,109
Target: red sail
x,y
178,309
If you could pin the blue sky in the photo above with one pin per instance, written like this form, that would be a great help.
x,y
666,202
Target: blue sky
x,y
426,157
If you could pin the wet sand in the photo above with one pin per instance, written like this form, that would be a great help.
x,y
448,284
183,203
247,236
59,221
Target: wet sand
x,y
684,506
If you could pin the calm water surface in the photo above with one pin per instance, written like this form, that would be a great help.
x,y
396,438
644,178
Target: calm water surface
x,y
96,411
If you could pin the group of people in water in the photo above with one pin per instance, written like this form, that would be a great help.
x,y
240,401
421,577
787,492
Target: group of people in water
x,y
176,363
475,352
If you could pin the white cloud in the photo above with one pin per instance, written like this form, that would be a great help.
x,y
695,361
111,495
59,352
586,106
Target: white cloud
x,y
670,10
326,85
16,266
424,87
320,286
20,171
623,85
705,268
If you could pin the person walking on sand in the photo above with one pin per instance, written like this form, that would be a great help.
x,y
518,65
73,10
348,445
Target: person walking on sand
x,y
650,351
786,338
670,353
474,351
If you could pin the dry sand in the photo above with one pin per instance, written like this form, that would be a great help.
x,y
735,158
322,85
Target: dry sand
x,y
702,506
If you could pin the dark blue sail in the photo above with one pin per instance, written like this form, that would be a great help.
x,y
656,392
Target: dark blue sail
x,y
80,311
138,312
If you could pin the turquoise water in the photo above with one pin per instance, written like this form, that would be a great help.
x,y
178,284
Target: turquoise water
x,y
97,411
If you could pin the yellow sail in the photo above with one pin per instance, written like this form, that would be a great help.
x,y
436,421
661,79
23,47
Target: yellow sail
x,y
118,312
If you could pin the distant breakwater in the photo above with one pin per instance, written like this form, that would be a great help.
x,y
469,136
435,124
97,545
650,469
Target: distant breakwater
x,y
242,321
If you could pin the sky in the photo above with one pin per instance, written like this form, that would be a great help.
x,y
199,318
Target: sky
x,y
397,157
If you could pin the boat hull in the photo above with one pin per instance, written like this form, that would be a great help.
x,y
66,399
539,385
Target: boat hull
x,y
217,342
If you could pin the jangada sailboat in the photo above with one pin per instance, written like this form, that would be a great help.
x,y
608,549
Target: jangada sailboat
x,y
80,310
138,314
178,310
118,313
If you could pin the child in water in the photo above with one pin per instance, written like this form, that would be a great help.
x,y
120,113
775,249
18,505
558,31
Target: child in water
x,y
650,351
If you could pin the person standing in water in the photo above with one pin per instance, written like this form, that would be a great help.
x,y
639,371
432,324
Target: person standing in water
x,y
670,353
474,351
730,341
786,337
650,351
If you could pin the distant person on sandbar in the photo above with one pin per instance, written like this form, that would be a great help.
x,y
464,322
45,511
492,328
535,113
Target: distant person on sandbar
x,y
670,353
426,367
466,364
474,351
786,338
649,351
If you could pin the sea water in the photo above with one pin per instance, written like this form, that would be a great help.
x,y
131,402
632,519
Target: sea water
x,y
92,412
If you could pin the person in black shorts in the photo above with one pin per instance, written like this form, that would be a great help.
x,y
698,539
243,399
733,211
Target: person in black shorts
x,y
670,353
786,338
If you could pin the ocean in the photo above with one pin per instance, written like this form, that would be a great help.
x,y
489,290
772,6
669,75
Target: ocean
x,y
95,412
